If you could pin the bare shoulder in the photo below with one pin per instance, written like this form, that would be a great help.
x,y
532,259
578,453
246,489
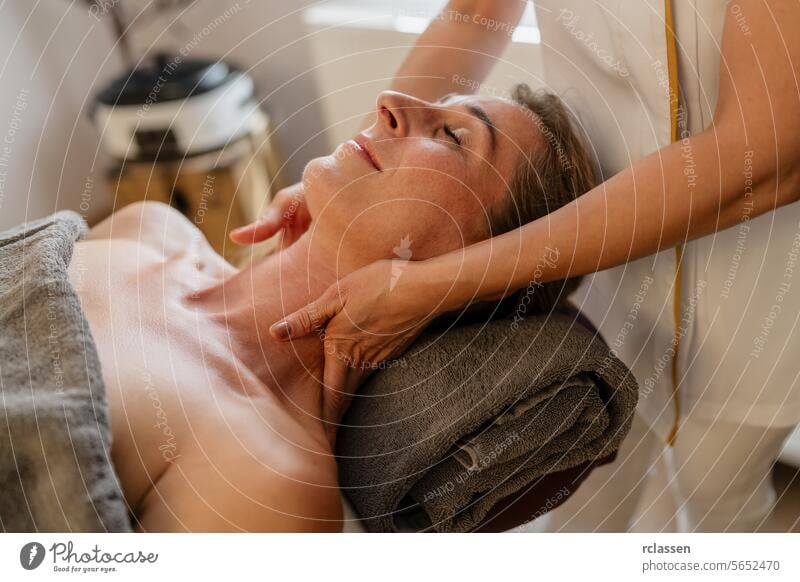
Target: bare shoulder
x,y
246,479
154,224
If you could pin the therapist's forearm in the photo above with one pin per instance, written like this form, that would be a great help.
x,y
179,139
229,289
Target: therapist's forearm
x,y
459,48
646,208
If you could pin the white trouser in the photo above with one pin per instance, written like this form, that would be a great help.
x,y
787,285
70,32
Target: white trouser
x,y
719,477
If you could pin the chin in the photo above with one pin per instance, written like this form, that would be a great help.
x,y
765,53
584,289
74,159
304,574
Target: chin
x,y
324,189
317,172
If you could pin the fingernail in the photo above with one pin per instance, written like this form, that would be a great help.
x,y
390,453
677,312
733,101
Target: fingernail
x,y
281,330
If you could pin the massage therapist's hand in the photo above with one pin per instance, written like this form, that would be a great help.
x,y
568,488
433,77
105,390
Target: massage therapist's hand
x,y
372,315
287,212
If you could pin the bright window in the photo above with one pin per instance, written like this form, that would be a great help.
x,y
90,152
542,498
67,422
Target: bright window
x,y
408,16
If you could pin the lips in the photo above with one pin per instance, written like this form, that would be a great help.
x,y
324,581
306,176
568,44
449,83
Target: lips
x,y
367,150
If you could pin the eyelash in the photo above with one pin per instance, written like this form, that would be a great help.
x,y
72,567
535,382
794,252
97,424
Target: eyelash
x,y
450,133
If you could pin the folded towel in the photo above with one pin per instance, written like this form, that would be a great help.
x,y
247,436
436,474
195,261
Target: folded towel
x,y
469,418
55,466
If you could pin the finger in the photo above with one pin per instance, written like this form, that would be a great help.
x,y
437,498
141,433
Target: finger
x,y
335,393
296,224
289,235
302,216
262,229
308,319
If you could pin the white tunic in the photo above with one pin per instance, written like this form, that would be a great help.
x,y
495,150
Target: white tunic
x,y
734,331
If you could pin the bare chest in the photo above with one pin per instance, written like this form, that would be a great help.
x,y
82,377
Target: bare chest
x,y
166,373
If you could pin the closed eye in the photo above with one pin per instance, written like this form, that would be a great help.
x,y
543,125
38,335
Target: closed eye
x,y
451,134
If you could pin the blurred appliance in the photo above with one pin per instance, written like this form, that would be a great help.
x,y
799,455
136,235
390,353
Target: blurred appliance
x,y
188,133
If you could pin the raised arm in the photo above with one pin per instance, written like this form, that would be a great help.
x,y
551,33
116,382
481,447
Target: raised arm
x,y
459,48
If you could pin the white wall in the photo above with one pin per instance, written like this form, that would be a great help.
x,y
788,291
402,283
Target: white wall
x,y
51,53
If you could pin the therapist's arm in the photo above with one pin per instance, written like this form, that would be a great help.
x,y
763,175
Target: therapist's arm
x,y
747,162
644,209
459,48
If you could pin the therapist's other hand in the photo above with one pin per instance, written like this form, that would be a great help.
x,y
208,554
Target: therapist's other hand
x,y
287,213
371,316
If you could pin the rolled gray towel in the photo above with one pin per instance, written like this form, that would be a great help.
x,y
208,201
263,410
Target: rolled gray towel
x,y
468,418
55,465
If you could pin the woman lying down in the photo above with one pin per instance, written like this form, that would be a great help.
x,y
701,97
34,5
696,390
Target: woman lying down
x,y
214,426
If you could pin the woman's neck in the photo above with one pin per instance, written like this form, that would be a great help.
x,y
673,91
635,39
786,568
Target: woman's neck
x,y
248,302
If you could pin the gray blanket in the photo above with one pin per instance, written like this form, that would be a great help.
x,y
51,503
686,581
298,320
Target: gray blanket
x,y
467,419
55,466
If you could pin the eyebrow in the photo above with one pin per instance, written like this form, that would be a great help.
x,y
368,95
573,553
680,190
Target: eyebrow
x,y
480,113
444,98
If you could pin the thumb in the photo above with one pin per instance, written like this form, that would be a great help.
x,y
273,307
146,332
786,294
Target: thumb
x,y
307,319
262,229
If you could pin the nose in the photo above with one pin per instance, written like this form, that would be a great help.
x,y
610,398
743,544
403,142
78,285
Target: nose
x,y
399,113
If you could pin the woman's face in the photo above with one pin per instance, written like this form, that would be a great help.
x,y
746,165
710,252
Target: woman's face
x,y
420,181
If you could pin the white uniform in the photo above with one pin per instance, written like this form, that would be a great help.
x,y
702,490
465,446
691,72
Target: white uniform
x,y
726,352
